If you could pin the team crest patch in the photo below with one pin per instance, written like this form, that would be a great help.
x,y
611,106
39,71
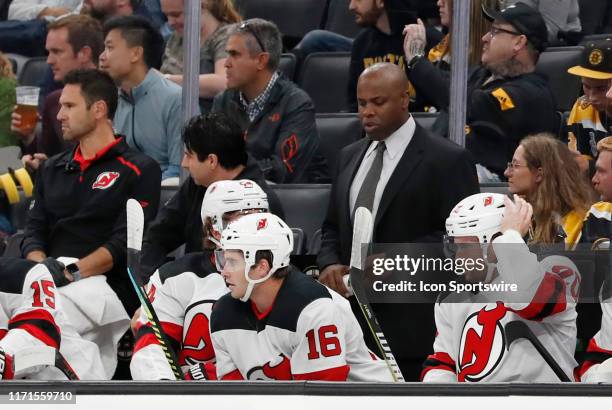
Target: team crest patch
x,y
483,343
262,223
246,184
488,201
505,102
105,180
596,57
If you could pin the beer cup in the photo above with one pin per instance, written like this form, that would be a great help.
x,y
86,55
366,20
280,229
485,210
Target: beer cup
x,y
27,107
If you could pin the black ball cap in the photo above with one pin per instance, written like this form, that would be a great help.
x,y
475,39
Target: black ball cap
x,y
525,19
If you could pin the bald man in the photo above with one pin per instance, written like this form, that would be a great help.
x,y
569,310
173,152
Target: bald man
x,y
410,180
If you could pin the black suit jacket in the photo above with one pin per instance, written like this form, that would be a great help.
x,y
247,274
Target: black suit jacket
x,y
432,176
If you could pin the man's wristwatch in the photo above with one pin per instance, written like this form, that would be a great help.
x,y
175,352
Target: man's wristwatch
x,y
414,60
74,271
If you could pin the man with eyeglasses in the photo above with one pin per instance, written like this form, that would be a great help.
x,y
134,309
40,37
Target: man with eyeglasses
x,y
214,151
277,117
591,117
506,99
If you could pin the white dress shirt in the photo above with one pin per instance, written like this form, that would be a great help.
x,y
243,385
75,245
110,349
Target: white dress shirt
x,y
396,144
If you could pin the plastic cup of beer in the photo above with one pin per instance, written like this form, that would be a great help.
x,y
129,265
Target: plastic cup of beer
x,y
27,106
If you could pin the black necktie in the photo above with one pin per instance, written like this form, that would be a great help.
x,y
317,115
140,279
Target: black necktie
x,y
368,188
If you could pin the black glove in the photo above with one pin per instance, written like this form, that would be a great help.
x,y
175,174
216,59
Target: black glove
x,y
57,271
196,372
6,366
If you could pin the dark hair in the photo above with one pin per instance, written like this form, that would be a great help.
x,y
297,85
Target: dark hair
x,y
268,256
216,133
139,32
83,31
95,85
261,36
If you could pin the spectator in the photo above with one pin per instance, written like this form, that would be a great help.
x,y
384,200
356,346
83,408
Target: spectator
x,y
277,116
7,101
432,86
596,16
215,24
597,223
562,19
79,200
412,164
73,42
377,42
103,10
542,171
214,151
506,99
591,117
39,9
149,110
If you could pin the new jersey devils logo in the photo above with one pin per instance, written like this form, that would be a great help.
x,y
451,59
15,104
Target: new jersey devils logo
x,y
197,346
105,180
262,223
276,369
482,344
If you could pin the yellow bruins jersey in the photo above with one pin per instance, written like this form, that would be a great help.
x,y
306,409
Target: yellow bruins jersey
x,y
596,225
586,128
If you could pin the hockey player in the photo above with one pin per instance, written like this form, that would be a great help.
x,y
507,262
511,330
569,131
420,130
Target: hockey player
x,y
32,320
471,344
183,291
277,323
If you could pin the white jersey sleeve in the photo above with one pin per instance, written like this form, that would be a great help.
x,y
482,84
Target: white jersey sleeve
x,y
320,343
599,348
440,367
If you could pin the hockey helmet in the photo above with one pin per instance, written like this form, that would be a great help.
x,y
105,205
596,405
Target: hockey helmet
x,y
257,232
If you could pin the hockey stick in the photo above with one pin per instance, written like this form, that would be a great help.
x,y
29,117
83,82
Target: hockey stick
x,y
135,227
362,234
32,357
519,330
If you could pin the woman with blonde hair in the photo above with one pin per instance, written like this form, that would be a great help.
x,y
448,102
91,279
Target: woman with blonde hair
x,y
544,173
215,21
7,101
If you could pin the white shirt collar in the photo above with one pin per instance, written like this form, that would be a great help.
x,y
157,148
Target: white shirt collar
x,y
397,142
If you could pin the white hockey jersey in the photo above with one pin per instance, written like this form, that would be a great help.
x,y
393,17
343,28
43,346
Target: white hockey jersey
x,y
31,315
599,348
182,293
309,333
471,345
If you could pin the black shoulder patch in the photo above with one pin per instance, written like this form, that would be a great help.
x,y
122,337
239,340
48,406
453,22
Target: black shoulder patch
x,y
12,274
196,262
297,292
229,313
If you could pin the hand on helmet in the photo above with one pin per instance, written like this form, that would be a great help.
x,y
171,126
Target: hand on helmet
x,y
517,215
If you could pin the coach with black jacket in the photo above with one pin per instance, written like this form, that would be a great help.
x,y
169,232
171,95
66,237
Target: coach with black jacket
x,y
215,151
79,202
277,117
410,180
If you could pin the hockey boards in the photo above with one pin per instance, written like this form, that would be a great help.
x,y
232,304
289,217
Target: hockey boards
x,y
135,228
362,235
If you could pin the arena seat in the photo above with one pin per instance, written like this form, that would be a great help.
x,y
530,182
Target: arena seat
x,y
425,119
33,71
287,65
305,206
298,241
13,64
19,62
336,131
324,76
294,18
554,63
340,19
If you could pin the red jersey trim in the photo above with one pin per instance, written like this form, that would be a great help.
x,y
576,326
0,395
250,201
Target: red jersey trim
x,y
335,374
129,165
86,163
233,375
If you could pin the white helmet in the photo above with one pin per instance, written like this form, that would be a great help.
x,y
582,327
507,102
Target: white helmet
x,y
258,232
230,196
477,215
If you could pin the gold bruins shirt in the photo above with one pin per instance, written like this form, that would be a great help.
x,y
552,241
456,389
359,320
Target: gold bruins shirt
x,y
309,333
596,226
31,315
471,345
586,126
182,293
